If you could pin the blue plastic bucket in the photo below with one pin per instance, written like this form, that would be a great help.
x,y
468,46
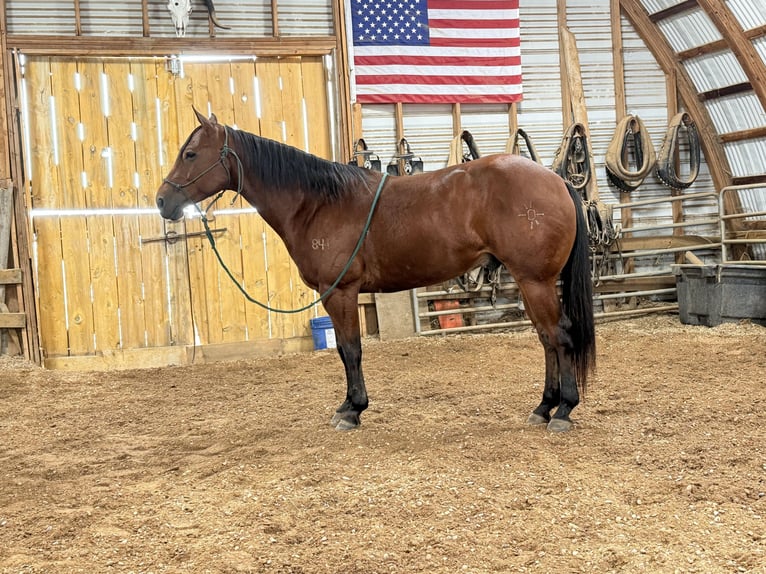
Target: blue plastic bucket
x,y
323,333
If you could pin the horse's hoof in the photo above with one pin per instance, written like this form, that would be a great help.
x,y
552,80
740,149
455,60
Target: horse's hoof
x,y
345,421
536,420
345,425
559,425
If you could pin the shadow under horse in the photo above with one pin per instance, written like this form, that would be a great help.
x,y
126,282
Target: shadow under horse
x,y
408,232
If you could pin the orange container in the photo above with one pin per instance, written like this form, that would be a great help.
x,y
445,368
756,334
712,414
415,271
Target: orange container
x,y
449,321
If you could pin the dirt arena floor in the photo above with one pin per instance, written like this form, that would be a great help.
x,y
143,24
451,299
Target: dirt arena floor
x,y
234,468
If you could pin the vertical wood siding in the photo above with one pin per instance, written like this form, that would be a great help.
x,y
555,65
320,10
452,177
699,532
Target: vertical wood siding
x,y
102,133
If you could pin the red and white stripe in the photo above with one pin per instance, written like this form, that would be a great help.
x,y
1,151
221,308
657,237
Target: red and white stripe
x,y
473,57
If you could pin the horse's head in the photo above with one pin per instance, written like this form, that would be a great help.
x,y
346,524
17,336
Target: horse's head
x,y
200,170
179,12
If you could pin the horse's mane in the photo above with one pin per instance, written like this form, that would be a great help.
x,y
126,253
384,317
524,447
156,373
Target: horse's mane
x,y
284,166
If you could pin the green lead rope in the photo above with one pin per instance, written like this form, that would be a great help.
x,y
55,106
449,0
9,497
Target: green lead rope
x,y
332,287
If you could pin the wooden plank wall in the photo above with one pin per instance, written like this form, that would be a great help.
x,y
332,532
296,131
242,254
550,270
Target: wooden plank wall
x,y
102,133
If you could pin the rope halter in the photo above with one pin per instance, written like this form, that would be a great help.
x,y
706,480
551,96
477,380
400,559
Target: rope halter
x,y
224,154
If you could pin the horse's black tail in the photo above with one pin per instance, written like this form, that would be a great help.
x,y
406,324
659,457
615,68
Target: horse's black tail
x,y
577,296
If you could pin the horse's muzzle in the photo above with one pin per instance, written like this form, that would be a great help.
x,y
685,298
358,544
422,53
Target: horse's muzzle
x,y
167,211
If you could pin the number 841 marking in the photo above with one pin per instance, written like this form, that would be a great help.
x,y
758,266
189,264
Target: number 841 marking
x,y
320,244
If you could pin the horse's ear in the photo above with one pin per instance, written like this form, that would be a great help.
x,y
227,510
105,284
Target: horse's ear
x,y
203,120
200,118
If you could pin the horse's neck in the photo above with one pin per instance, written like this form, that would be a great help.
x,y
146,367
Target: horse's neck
x,y
284,210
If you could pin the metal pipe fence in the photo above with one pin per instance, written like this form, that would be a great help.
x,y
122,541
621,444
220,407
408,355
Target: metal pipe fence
x,y
753,237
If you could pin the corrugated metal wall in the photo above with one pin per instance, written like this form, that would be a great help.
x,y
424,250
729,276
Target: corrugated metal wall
x,y
99,18
43,17
110,18
749,13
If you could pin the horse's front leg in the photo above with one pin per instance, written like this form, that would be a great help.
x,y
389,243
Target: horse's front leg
x,y
342,307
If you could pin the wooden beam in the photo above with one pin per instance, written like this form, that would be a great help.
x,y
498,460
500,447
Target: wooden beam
x,y
566,100
399,120
152,357
10,276
711,48
343,77
720,45
274,18
13,320
356,114
620,103
158,357
731,90
628,244
743,135
577,101
756,32
673,10
671,82
127,46
717,162
350,119
742,48
145,28
5,109
77,19
513,117
457,122
750,180
22,292
20,229
618,64
629,284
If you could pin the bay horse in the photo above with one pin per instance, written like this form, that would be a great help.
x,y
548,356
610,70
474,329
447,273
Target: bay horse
x,y
423,230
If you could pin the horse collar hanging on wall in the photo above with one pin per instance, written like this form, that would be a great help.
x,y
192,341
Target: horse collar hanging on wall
x,y
428,228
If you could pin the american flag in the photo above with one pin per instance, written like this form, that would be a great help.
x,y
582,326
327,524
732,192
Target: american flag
x,y
435,51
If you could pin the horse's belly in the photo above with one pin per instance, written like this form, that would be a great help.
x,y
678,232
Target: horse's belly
x,y
398,274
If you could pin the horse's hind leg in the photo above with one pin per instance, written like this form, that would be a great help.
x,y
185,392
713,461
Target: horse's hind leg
x,y
342,308
544,309
551,393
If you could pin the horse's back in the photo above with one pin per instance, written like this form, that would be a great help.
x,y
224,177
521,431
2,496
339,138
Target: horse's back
x,y
498,181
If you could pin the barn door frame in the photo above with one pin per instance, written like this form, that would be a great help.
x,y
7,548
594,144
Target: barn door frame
x,y
186,265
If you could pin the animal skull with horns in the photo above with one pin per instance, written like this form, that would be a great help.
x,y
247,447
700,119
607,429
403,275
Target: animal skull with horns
x,y
180,11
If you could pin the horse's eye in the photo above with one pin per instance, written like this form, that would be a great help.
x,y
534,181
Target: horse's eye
x,y
190,155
